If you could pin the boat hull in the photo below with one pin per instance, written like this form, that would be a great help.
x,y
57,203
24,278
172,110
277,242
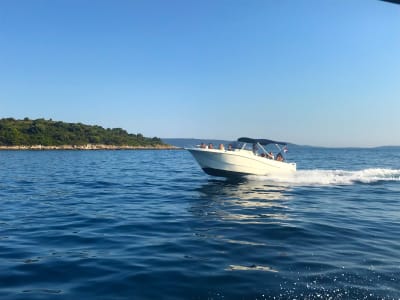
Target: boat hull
x,y
239,162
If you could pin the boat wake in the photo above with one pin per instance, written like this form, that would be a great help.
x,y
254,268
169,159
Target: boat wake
x,y
332,177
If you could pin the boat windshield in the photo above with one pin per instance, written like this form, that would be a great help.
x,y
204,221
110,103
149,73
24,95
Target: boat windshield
x,y
274,151
239,145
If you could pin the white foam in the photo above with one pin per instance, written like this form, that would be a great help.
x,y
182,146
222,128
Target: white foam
x,y
332,177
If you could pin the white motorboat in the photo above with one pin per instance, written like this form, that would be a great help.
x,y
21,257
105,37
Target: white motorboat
x,y
247,156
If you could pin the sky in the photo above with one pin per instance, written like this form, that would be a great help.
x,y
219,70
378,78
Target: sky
x,y
310,72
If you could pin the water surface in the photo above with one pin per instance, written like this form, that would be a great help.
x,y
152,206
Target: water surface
x,y
151,224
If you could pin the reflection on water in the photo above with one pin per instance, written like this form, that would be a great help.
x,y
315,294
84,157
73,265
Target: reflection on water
x,y
243,189
251,268
242,215
243,201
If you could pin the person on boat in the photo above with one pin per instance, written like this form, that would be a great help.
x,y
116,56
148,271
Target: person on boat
x,y
279,157
221,147
230,147
202,145
255,148
210,146
270,155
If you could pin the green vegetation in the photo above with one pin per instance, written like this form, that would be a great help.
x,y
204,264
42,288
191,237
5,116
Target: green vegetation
x,y
53,133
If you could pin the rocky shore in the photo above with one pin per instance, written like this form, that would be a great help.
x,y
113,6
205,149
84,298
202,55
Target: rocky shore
x,y
89,147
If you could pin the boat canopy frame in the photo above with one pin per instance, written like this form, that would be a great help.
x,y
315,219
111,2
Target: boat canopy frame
x,y
263,142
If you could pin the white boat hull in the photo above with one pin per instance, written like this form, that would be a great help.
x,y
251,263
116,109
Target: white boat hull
x,y
238,162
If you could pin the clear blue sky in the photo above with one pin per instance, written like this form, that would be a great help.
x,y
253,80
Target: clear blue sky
x,y
306,71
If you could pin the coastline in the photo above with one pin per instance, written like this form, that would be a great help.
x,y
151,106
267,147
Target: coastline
x,y
89,147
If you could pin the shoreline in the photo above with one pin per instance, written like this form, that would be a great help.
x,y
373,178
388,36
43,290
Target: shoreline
x,y
89,147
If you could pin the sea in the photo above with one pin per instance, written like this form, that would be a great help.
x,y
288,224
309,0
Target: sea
x,y
151,225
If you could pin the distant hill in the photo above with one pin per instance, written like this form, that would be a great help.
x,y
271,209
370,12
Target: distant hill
x,y
54,133
187,143
192,142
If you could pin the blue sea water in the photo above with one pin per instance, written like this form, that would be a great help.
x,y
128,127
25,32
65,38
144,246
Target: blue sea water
x,y
152,225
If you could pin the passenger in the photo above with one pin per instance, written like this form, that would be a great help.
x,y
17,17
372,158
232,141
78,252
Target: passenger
x,y
230,147
221,147
255,148
279,157
202,145
210,146
270,155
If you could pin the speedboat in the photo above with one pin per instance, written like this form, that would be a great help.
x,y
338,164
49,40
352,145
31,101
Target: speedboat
x,y
247,156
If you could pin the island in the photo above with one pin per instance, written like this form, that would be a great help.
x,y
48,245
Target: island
x,y
42,134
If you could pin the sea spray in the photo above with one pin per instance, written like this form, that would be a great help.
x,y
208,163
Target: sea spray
x,y
319,177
